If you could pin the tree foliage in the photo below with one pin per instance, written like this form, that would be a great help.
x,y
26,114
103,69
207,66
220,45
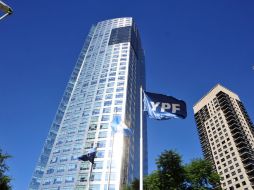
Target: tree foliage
x,y
135,184
170,170
152,181
171,174
4,179
200,175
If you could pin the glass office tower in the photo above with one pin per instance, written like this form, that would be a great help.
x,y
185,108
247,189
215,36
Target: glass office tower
x,y
105,82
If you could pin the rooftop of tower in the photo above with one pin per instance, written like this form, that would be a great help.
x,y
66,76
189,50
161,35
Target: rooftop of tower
x,y
112,19
217,88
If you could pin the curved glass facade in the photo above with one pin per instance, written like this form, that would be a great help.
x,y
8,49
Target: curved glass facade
x,y
105,82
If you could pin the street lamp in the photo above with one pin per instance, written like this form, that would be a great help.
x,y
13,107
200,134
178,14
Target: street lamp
x,y
6,9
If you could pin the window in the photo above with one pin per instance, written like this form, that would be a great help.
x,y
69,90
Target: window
x,y
63,159
118,109
85,165
104,126
92,127
88,145
54,160
83,177
57,180
120,83
109,90
60,168
72,167
98,165
113,164
111,187
112,74
101,144
118,102
119,89
96,112
75,157
105,118
120,95
98,98
100,92
107,110
91,135
112,176
121,73
50,171
97,104
69,179
94,186
109,96
100,154
94,119
66,150
103,134
107,103
96,176
121,77
47,181
111,79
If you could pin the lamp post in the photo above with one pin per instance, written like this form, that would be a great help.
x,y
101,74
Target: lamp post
x,y
6,9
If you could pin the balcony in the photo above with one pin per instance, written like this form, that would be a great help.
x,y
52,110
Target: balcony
x,y
227,109
236,130
248,163
232,122
239,139
251,178
250,171
241,144
244,155
238,134
242,150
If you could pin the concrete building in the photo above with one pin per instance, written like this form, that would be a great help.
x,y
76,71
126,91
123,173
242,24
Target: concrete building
x,y
227,137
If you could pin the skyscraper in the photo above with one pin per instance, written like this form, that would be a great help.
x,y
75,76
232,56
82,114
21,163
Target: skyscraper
x,y
227,137
105,82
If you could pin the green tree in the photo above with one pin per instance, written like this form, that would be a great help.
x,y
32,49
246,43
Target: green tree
x,y
172,175
200,175
135,184
4,180
170,171
126,187
152,181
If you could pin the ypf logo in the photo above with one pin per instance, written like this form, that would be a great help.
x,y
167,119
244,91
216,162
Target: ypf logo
x,y
165,106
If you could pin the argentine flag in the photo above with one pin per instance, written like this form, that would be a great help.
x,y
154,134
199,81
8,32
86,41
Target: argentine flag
x,y
118,126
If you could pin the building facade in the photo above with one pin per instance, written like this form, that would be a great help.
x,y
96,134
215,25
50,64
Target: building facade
x,y
227,137
105,82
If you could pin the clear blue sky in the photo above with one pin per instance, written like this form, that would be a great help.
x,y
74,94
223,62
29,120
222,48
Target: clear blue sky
x,y
190,46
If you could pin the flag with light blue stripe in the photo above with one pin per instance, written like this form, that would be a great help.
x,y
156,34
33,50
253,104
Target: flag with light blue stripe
x,y
118,126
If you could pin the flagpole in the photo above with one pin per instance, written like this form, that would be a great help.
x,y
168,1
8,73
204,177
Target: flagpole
x,y
91,169
112,150
141,141
111,160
